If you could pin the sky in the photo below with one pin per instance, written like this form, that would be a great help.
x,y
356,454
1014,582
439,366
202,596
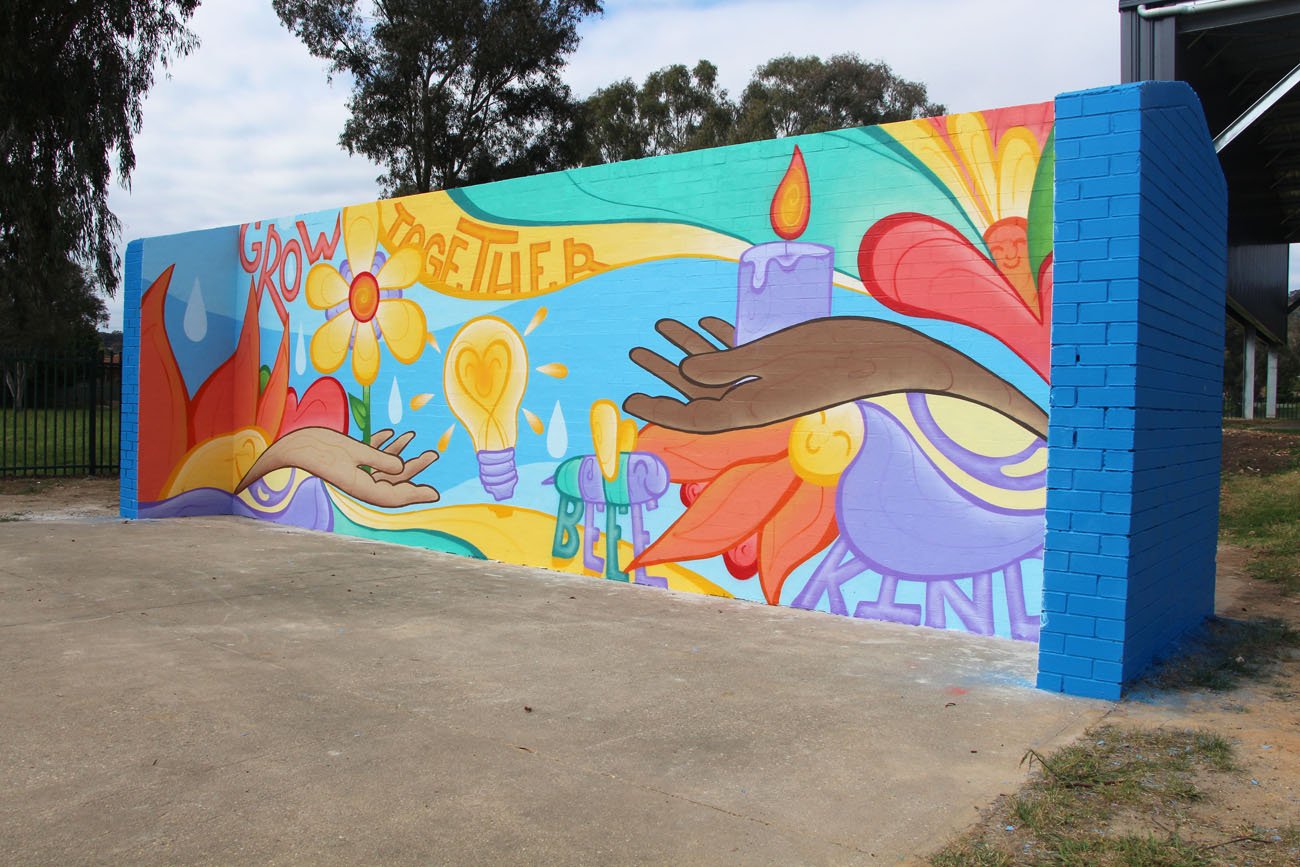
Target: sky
x,y
247,126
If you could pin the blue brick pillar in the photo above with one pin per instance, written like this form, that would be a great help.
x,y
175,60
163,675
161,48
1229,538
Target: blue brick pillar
x,y
1137,375
132,289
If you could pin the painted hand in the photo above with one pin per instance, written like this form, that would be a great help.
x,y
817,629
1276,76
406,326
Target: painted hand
x,y
342,461
809,367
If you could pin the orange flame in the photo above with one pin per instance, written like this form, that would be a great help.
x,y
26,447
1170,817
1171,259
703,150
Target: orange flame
x,y
792,203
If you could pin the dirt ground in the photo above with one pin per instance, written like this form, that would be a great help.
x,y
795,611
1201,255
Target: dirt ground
x,y
53,499
1258,452
1260,717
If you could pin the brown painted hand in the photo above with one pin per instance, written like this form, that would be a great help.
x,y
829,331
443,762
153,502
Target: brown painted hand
x,y
341,461
809,367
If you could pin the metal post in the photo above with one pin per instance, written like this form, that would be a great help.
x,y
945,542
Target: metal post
x,y
96,370
1270,384
1248,375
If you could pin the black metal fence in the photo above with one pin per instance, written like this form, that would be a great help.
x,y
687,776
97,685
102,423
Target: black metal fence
x,y
1288,409
59,414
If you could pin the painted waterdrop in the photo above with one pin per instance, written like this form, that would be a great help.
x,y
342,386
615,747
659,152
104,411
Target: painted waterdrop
x,y
557,434
196,314
395,404
300,354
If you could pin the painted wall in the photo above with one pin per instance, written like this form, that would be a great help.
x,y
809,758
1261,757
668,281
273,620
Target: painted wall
x,y
808,372
1137,376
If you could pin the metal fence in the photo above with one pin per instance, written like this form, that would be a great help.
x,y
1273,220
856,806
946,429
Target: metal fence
x,y
1286,409
60,414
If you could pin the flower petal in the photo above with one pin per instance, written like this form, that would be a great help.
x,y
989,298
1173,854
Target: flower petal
x,y
329,345
401,270
325,286
802,526
325,404
700,457
163,416
361,235
729,510
402,323
365,355
920,266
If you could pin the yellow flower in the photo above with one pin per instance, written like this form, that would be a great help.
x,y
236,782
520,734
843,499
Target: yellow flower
x,y
363,301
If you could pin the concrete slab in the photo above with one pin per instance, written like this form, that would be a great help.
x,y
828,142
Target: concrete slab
x,y
225,691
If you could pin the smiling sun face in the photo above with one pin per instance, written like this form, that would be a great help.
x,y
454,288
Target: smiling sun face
x,y
1008,243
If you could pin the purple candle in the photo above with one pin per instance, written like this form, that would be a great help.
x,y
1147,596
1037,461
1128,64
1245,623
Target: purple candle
x,y
782,284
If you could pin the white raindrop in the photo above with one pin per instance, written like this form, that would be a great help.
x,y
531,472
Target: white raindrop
x,y
196,314
395,404
300,354
557,434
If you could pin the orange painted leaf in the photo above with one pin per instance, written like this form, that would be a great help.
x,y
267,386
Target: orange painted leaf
x,y
729,510
163,425
700,457
802,526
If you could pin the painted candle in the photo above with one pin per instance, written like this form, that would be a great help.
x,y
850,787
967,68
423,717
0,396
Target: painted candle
x,y
786,282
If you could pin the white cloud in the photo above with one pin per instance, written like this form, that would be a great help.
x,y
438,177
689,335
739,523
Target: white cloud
x,y
247,126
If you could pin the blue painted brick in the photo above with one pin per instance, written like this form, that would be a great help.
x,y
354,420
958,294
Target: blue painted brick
x,y
1060,663
1089,688
1096,606
1050,682
1071,624
1109,672
1112,630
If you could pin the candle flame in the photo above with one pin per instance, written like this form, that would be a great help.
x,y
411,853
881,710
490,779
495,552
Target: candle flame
x,y
792,204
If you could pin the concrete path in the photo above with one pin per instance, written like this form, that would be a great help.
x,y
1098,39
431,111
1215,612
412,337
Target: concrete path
x,y
222,691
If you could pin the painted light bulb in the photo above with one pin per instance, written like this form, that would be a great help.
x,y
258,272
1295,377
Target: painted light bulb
x,y
484,377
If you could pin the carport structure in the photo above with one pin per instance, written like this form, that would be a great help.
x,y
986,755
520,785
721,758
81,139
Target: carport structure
x,y
1242,57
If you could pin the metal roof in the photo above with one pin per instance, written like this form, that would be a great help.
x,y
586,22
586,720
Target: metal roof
x,y
1237,55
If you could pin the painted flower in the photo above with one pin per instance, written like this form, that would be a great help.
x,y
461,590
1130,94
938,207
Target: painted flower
x,y
762,498
211,438
997,168
363,301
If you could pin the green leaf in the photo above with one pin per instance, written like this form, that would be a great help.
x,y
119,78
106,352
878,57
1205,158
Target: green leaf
x,y
360,412
264,376
1042,206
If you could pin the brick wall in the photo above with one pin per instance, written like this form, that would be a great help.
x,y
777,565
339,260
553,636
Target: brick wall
x,y
1137,343
130,437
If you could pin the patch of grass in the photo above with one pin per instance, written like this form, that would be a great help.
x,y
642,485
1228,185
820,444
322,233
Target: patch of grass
x,y
1223,653
37,440
1065,815
11,517
1262,514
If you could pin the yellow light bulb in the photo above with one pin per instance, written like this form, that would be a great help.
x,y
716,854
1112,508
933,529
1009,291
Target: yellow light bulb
x,y
484,376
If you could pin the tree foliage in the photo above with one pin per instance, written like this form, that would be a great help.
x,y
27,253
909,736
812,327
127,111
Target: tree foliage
x,y
73,77
447,92
679,109
676,109
796,95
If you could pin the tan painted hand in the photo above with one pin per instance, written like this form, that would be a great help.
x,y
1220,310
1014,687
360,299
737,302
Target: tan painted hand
x,y
340,460
809,367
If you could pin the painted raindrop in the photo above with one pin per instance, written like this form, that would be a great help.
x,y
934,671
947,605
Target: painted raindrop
x,y
196,314
395,404
557,434
300,354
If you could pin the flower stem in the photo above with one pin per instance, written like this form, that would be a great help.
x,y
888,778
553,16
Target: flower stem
x,y
365,428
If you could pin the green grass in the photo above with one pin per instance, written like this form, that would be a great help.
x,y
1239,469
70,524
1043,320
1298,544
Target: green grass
x,y
1262,514
1063,816
33,441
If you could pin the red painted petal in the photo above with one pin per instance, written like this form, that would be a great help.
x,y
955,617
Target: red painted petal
x,y
921,266
324,404
742,560
227,400
700,457
164,429
803,526
728,511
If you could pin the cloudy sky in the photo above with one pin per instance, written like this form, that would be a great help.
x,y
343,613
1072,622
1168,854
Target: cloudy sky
x,y
247,126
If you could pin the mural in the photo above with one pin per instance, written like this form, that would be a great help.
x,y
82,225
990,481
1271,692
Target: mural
x,y
808,372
